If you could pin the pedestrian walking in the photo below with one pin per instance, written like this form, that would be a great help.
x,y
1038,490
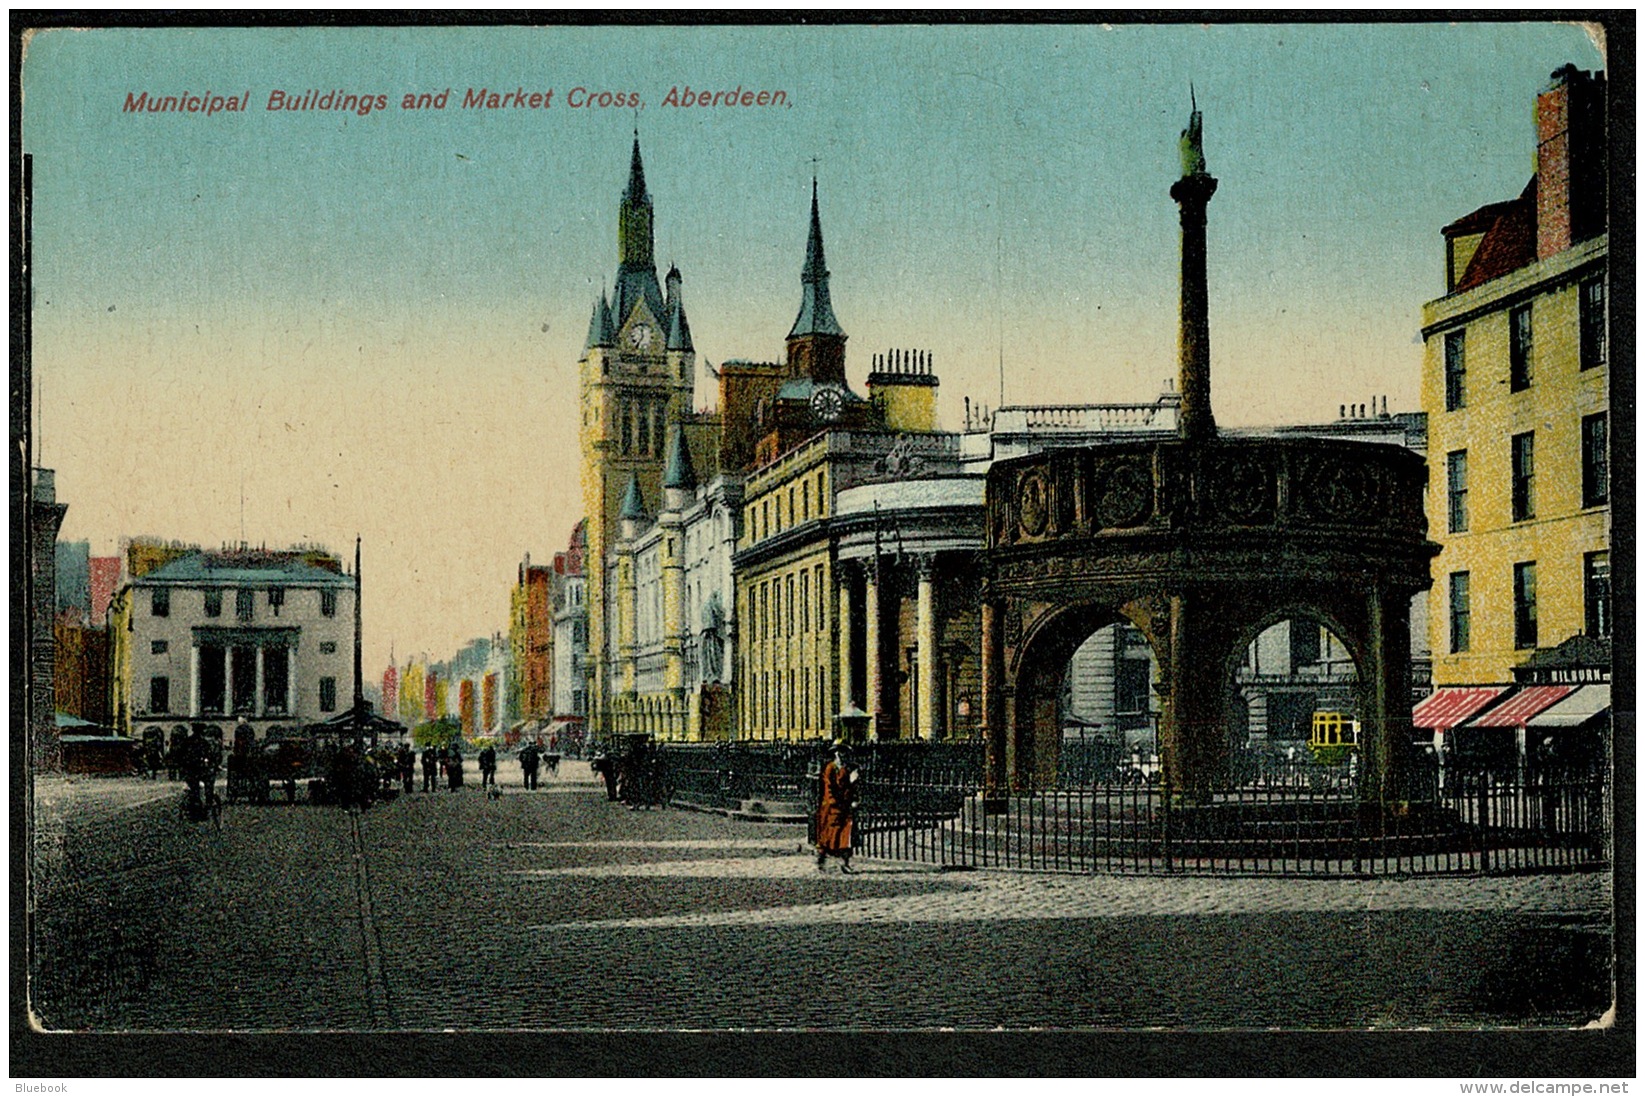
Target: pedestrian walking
x,y
431,768
454,769
488,766
529,760
836,817
606,766
406,763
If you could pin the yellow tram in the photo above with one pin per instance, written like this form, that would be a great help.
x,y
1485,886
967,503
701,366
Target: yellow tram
x,y
1334,736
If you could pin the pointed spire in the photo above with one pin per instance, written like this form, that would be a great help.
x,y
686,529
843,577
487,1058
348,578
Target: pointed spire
x,y
601,331
633,506
636,175
816,311
679,331
680,474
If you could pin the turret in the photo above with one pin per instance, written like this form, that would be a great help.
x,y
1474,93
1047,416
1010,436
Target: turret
x,y
631,516
680,478
601,331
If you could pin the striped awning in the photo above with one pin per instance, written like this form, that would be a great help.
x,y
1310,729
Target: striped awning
x,y
1448,706
1517,710
1576,709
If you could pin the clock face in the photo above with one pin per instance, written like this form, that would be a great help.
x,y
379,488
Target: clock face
x,y
828,402
640,336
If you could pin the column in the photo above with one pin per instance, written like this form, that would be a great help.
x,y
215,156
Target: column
x,y
847,686
194,681
871,646
228,679
993,714
257,694
926,694
291,682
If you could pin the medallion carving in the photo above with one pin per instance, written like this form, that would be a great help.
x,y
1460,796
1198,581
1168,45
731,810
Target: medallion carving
x,y
1125,494
1033,502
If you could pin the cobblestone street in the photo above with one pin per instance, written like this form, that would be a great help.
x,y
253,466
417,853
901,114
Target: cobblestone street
x,y
557,909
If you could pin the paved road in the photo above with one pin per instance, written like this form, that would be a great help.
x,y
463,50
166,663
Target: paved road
x,y
556,909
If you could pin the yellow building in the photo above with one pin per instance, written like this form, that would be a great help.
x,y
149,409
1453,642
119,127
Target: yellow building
x,y
805,624
1515,384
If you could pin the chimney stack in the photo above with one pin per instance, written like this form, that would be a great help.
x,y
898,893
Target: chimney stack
x,y
1570,160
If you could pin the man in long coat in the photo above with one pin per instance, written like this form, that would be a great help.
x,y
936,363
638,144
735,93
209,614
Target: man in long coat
x,y
836,816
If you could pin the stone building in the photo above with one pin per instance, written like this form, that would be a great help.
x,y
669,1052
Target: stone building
x,y
636,378
242,636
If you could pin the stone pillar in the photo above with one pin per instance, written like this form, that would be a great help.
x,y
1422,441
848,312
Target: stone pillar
x,y
1190,712
1385,728
1192,194
291,682
257,707
993,699
194,681
228,679
926,700
847,686
871,646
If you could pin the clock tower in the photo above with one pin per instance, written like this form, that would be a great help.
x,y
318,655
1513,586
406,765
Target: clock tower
x,y
635,378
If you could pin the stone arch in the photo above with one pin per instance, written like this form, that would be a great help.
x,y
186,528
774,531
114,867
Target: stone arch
x,y
1037,668
1296,610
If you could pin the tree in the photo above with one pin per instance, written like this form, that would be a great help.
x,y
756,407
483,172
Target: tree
x,y
437,733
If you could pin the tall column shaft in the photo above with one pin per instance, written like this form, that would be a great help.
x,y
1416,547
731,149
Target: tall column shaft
x,y
194,681
926,699
291,681
228,680
993,713
871,647
847,686
1192,194
257,688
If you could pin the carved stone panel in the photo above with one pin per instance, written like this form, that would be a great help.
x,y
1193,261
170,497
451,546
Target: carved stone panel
x,y
1244,488
1033,502
1124,495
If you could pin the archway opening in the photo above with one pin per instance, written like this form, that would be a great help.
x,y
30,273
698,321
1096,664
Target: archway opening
x,y
1295,703
1108,709
1086,701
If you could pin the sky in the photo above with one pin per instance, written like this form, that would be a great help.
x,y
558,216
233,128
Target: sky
x,y
302,326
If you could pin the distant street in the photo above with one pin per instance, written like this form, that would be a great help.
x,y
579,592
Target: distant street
x,y
557,909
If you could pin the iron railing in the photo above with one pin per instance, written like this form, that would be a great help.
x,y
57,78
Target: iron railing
x,y
927,802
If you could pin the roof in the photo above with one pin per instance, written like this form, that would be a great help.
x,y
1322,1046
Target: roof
x,y
600,330
1449,706
203,568
633,505
1510,242
1518,709
680,474
802,388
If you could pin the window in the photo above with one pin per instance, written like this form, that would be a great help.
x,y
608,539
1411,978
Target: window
x,y
1596,594
1596,460
822,609
1456,371
789,631
1304,643
328,695
1519,349
213,679
1591,307
805,501
805,601
1524,463
1461,613
328,603
1131,686
160,602
214,603
1525,605
159,694
276,672
276,599
1456,482
243,604
645,431
328,647
159,647
765,610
